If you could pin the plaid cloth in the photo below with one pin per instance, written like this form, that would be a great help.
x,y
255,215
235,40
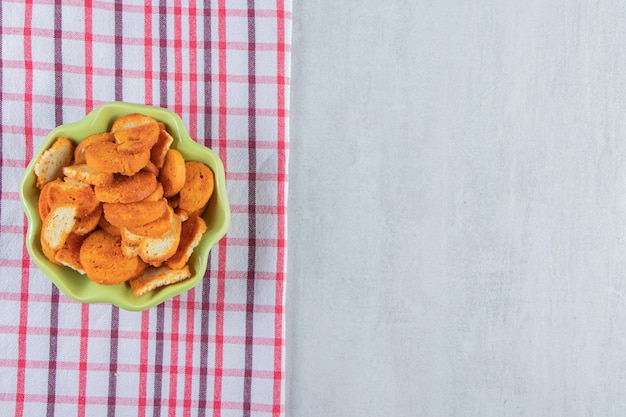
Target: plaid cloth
x,y
223,66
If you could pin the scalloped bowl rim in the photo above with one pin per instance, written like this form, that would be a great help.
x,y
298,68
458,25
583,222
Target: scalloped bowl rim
x,y
78,287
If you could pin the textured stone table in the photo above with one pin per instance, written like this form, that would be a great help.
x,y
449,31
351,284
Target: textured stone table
x,y
457,212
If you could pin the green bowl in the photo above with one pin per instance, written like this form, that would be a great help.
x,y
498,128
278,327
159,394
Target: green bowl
x,y
77,286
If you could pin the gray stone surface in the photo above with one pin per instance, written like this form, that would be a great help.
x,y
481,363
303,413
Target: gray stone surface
x,y
457,209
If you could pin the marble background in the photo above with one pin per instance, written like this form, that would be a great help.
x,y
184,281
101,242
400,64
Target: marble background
x,y
457,209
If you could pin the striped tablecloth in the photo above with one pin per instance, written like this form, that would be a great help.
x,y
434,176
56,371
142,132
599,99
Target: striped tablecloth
x,y
218,350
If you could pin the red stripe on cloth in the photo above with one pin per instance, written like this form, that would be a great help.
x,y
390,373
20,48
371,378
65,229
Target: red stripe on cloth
x,y
88,57
173,367
126,368
84,321
178,59
82,369
80,102
132,401
143,363
178,97
282,168
28,123
193,131
193,72
136,41
131,8
221,267
130,73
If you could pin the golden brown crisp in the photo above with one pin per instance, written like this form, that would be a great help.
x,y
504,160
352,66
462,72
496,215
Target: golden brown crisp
x,y
87,175
87,223
104,157
135,133
157,228
172,175
69,254
103,261
49,166
79,152
153,278
160,148
134,214
70,192
198,188
190,235
127,189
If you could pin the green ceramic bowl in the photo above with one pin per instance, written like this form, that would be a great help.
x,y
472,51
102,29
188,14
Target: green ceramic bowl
x,y
217,216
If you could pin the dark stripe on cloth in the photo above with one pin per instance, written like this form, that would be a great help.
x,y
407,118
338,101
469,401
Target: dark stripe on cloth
x,y
115,312
206,283
247,386
158,354
119,54
113,345
58,120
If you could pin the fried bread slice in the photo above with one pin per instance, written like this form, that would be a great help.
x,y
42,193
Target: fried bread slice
x,y
49,165
134,214
153,278
79,152
83,173
127,189
191,233
198,188
57,225
172,175
135,133
105,157
103,261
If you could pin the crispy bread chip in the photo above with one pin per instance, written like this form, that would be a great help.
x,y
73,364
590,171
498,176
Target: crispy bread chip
x,y
108,227
198,188
160,148
135,133
49,252
79,152
172,175
104,157
131,121
127,189
134,214
87,175
190,235
74,193
156,250
87,223
49,166
156,229
103,261
154,278
69,254
151,168
157,194
44,199
57,226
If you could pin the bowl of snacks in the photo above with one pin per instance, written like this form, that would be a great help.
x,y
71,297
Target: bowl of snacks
x,y
123,206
